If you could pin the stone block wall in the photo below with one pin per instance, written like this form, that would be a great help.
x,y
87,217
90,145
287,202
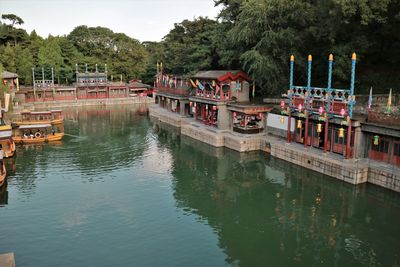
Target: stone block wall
x,y
386,179
205,136
242,144
334,168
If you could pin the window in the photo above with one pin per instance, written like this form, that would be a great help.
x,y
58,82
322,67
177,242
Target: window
x,y
396,149
382,147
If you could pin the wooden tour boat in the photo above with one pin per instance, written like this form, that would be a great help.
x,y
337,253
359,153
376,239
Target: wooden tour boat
x,y
36,133
6,141
53,117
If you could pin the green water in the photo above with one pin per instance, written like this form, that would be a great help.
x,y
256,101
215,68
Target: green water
x,y
121,190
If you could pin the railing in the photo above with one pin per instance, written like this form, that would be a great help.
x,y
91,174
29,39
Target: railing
x,y
117,95
220,96
174,91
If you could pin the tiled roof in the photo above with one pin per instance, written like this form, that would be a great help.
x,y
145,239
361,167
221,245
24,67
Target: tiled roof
x,y
9,75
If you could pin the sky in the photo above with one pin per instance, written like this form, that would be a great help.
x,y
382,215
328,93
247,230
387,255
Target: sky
x,y
145,20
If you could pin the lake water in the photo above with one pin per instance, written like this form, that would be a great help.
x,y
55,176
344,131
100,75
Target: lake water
x,y
121,190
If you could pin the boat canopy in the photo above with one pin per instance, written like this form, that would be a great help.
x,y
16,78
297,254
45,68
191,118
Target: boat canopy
x,y
35,126
5,134
5,127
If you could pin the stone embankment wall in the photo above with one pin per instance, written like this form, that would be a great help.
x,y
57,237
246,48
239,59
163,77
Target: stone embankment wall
x,y
351,172
211,136
173,119
388,178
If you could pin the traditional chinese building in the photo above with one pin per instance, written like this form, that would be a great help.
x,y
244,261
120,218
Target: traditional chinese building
x,y
323,117
89,85
11,80
382,136
214,90
172,93
92,85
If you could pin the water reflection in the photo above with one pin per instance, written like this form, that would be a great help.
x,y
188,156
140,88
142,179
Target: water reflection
x,y
3,195
97,140
268,212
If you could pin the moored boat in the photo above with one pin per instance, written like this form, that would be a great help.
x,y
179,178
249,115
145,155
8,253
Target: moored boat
x,y
36,133
6,141
53,117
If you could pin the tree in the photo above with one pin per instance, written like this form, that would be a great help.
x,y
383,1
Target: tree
x,y
122,54
14,20
190,46
8,58
266,32
24,63
50,56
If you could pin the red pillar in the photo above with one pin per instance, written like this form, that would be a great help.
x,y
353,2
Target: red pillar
x,y
348,148
306,132
355,144
221,95
289,136
326,136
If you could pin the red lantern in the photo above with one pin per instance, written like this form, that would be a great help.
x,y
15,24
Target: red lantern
x,y
300,107
260,115
342,112
234,114
321,110
214,108
282,104
190,103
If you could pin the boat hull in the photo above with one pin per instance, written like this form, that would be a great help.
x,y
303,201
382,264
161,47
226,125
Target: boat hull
x,y
38,140
3,176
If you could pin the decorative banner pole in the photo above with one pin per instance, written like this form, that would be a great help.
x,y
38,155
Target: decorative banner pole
x,y
52,82
328,103
289,96
307,96
351,103
328,90
353,78
105,71
34,84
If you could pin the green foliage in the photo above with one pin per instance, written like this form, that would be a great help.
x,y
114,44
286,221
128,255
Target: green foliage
x,y
268,31
257,36
122,54
190,46
50,54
